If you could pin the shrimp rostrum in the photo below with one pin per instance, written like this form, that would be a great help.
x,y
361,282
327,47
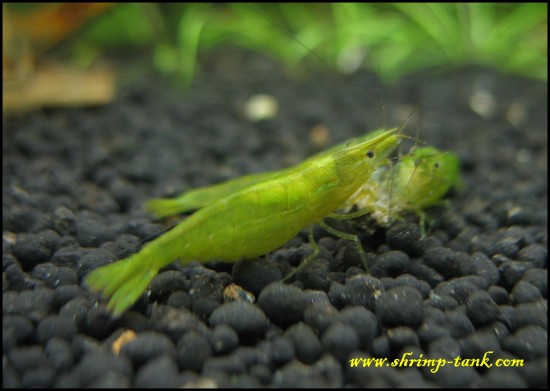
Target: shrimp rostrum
x,y
251,221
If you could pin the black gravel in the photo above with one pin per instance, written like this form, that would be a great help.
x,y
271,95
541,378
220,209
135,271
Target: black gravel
x,y
74,182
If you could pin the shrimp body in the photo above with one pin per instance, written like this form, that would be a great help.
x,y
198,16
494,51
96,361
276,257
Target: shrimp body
x,y
200,197
250,222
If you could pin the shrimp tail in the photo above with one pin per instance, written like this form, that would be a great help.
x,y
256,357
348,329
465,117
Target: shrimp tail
x,y
122,281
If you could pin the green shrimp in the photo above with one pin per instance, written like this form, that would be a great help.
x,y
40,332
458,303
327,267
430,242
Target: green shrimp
x,y
200,197
418,180
249,222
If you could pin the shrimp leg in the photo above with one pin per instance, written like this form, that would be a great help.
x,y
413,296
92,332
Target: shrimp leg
x,y
351,237
309,258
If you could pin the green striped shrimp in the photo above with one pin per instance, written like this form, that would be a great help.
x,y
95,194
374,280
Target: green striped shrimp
x,y
252,221
416,181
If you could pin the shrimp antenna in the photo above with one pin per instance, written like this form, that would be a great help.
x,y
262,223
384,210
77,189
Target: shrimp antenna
x,y
288,33
417,133
384,114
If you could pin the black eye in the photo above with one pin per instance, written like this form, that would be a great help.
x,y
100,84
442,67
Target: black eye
x,y
436,165
370,154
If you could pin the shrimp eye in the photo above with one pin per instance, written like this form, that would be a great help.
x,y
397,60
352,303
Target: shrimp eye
x,y
370,154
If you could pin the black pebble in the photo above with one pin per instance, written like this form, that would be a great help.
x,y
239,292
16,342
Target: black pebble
x,y
406,279
340,340
91,232
35,304
337,294
282,351
20,325
99,323
95,365
126,245
224,339
535,253
59,354
283,304
485,268
319,316
447,262
63,220
429,332
55,276
160,372
245,318
424,273
363,290
19,220
460,288
307,346
538,278
69,256
460,324
94,259
204,307
499,294
147,346
251,355
253,275
524,292
261,372
512,271
450,376
165,283
402,337
445,347
381,346
481,309
400,306
476,344
27,358
229,365
529,342
175,322
65,293
41,377
500,378
193,350
296,375
526,314
18,280
31,250
55,326
111,379
391,263
76,309
316,275
535,372
405,237
363,321
180,299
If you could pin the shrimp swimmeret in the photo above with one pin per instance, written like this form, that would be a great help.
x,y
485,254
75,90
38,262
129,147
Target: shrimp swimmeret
x,y
252,221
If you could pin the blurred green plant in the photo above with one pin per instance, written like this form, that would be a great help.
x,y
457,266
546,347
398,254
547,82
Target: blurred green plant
x,y
401,37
